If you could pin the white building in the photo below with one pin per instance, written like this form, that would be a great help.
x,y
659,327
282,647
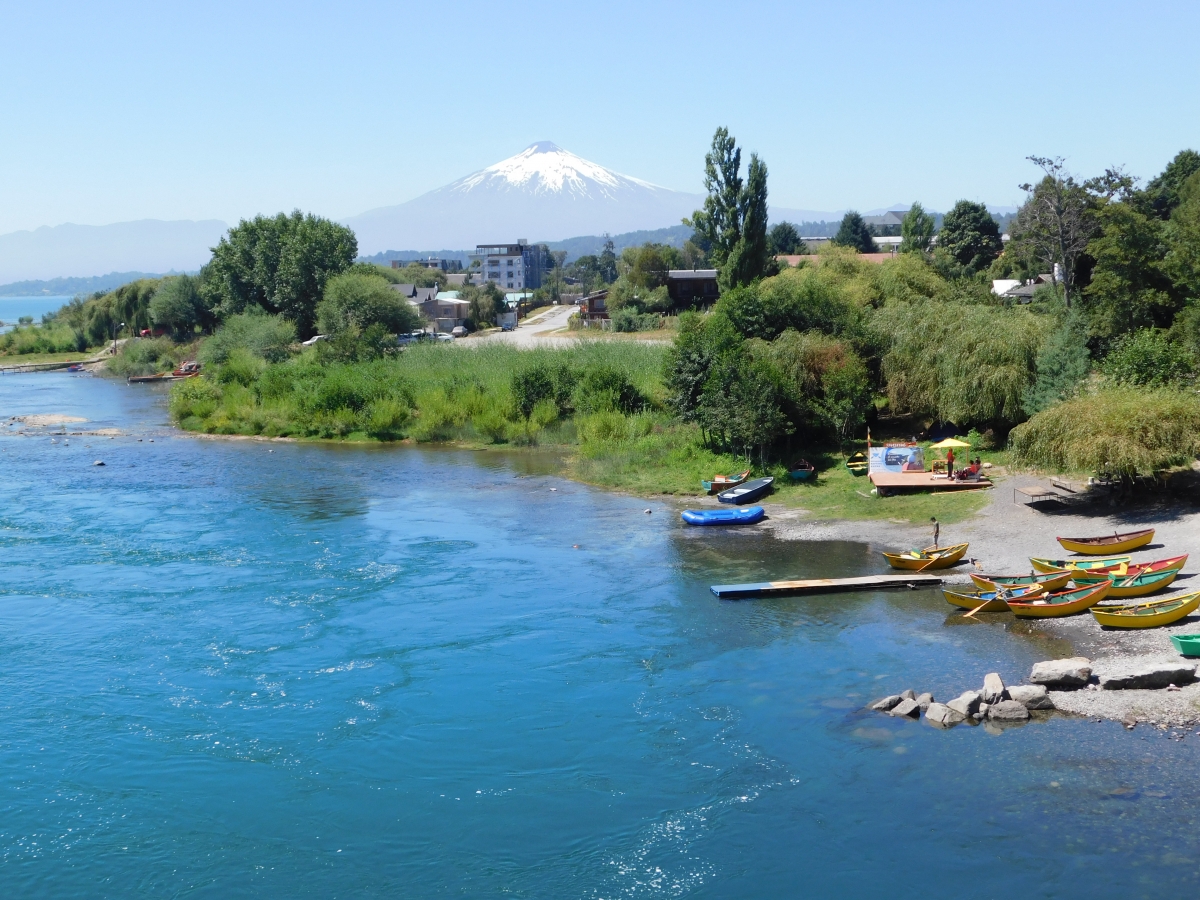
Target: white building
x,y
511,266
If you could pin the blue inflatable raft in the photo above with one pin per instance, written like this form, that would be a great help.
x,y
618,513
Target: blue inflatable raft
x,y
746,515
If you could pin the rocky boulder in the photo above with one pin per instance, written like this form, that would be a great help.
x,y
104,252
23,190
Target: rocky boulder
x,y
1152,676
910,694
1062,674
886,703
1031,696
909,708
1008,711
993,689
942,715
924,701
966,704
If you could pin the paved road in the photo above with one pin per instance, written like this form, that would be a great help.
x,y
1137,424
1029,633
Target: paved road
x,y
532,332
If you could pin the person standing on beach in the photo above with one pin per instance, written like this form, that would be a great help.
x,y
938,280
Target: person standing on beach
x,y
937,531
950,462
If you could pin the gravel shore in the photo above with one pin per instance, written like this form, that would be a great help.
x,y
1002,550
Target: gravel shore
x,y
1006,533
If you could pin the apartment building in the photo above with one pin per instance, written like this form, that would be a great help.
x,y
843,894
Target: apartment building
x,y
515,267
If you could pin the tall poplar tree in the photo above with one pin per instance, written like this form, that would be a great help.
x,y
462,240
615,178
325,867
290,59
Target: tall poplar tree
x,y
750,257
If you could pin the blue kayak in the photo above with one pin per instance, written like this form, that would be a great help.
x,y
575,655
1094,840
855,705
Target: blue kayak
x,y
746,515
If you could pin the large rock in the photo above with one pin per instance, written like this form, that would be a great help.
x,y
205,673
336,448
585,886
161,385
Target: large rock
x,y
993,688
1153,676
1031,696
910,694
1008,711
909,708
943,715
924,701
966,704
1062,674
886,703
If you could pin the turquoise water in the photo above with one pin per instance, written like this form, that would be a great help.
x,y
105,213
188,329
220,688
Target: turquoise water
x,y
326,671
13,308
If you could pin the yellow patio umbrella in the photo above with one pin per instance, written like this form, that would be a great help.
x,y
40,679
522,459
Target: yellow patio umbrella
x,y
948,443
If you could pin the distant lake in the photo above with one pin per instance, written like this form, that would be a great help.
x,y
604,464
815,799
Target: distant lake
x,y
12,308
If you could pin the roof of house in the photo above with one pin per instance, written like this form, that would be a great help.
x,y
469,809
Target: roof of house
x,y
423,294
407,290
1000,285
447,295
891,217
679,274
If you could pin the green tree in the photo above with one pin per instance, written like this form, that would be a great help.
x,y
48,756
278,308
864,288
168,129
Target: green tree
x,y
280,264
1164,192
1182,233
970,235
354,302
649,268
1129,288
486,303
719,224
916,231
1146,358
1053,225
854,233
784,239
607,263
178,304
1062,364
750,258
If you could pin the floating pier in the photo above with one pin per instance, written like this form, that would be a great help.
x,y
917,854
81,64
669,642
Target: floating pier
x,y
822,586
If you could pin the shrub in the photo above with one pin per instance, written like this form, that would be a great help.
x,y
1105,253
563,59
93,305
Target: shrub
x,y
605,388
146,357
240,367
1148,359
268,337
628,320
542,381
194,397
1123,431
354,302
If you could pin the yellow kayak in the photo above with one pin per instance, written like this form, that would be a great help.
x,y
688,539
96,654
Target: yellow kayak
x,y
1139,585
1051,581
1115,543
1064,603
1042,564
1147,615
929,558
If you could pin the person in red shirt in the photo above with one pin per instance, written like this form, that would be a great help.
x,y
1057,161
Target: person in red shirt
x,y
950,462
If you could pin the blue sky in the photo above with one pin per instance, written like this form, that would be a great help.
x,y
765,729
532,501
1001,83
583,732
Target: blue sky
x,y
118,111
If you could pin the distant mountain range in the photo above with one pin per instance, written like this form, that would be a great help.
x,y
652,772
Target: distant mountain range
x,y
80,251
70,287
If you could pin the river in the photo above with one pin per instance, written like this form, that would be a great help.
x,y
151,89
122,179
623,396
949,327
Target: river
x,y
237,668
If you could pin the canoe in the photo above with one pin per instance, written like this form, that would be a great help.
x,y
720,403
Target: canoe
x,y
1062,603
1077,565
747,492
802,470
1051,581
746,515
927,559
724,482
1124,570
988,601
858,463
1148,615
1140,585
1116,543
1187,644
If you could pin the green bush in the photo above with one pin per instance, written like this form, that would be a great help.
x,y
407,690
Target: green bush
x,y
629,320
146,356
1123,431
543,381
267,337
605,388
354,302
194,398
1147,358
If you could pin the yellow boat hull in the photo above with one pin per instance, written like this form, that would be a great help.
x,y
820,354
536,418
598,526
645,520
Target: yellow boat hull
x,y
1132,543
1056,565
968,600
1154,614
1053,581
940,558
1055,610
1141,590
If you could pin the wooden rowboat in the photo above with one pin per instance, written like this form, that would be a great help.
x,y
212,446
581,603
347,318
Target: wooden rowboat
x,y
802,470
1141,585
724,482
1062,603
989,601
858,463
929,558
1116,543
1076,565
1051,581
1148,615
1119,573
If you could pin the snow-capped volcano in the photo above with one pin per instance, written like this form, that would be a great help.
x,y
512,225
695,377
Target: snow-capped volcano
x,y
544,193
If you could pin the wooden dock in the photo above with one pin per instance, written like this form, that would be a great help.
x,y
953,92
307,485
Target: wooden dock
x,y
823,585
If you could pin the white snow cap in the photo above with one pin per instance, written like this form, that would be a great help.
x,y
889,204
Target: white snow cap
x,y
545,167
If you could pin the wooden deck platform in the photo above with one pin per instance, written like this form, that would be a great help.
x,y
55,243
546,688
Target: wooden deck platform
x,y
824,585
925,481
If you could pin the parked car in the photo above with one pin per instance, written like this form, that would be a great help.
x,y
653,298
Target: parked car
x,y
508,326
442,336
459,331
